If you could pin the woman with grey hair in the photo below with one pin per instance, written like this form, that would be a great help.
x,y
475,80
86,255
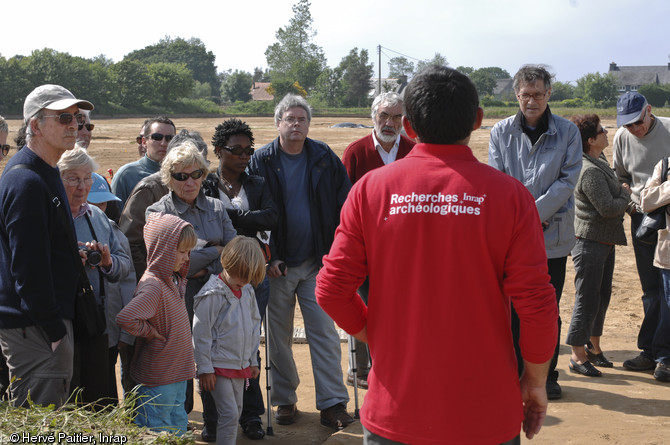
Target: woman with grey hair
x,y
107,262
183,171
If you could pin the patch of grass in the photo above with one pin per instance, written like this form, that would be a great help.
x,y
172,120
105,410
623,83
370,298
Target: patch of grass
x,y
76,423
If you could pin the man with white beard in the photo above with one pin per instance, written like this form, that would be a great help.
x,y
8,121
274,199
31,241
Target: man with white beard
x,y
381,147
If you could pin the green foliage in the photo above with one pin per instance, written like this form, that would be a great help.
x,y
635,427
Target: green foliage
x,y
598,90
201,90
192,53
282,87
496,72
131,83
488,101
467,70
356,75
438,59
484,82
400,66
237,86
573,103
657,95
294,57
260,108
328,90
170,81
561,91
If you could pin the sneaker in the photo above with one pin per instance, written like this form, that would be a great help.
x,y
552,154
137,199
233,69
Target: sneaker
x,y
208,433
554,391
286,414
662,372
253,430
336,417
361,382
639,363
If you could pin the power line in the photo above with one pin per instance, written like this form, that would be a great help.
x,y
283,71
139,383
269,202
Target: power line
x,y
401,54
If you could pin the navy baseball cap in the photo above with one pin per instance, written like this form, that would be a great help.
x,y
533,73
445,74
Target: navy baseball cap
x,y
629,108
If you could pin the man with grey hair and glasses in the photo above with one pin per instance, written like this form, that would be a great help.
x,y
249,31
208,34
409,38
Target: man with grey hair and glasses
x,y
39,269
383,145
309,184
544,152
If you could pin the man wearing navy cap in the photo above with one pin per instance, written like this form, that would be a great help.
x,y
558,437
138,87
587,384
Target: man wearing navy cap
x,y
641,141
38,268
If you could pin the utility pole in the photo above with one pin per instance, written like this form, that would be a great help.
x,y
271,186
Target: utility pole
x,y
379,77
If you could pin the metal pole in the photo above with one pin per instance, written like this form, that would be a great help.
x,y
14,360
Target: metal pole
x,y
354,370
268,379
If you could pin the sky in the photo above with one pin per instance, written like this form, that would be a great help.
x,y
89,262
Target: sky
x,y
572,37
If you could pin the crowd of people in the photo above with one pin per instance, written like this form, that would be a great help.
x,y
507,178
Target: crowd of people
x,y
187,261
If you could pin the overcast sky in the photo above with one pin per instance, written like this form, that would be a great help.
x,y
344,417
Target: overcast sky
x,y
573,37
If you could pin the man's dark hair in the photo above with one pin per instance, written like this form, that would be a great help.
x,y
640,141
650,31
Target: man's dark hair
x,y
441,104
160,119
529,74
229,128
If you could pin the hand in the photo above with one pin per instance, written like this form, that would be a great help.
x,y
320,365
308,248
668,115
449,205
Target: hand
x,y
207,381
54,345
155,335
534,397
106,260
274,269
255,372
625,186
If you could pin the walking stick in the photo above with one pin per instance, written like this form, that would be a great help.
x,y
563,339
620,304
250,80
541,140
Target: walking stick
x,y
268,379
354,370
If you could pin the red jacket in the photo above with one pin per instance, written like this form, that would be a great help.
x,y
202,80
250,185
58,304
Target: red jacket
x,y
361,156
447,242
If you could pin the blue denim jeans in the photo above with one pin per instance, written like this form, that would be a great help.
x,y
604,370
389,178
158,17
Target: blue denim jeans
x,y
161,408
594,266
654,336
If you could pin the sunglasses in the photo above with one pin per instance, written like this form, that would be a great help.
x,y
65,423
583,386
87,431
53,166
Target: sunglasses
x,y
89,127
67,118
239,151
5,149
639,122
181,176
159,137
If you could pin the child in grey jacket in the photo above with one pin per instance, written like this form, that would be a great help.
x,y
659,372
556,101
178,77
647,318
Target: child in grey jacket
x,y
226,327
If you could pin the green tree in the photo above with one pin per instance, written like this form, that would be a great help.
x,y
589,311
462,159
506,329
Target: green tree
x,y
237,86
598,90
467,70
294,57
496,72
328,89
356,76
400,66
561,91
282,87
193,53
14,85
484,82
131,83
171,81
438,59
657,95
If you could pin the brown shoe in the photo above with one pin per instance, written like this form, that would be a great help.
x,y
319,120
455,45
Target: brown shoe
x,y
336,417
361,382
286,414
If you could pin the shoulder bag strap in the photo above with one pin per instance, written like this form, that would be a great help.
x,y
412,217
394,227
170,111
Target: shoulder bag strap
x,y
95,237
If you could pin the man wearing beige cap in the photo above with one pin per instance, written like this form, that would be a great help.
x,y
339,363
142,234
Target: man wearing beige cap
x,y
38,268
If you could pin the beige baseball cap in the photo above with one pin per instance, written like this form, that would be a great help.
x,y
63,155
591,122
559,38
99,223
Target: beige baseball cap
x,y
53,97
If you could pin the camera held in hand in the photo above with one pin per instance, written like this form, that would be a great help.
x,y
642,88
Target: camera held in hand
x,y
93,257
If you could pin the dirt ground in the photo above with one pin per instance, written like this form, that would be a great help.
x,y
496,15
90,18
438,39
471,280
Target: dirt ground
x,y
621,407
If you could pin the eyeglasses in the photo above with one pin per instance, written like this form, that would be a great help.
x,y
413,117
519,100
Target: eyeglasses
x,y
385,116
525,97
66,118
74,182
159,137
181,176
638,122
5,149
89,127
292,120
601,130
239,151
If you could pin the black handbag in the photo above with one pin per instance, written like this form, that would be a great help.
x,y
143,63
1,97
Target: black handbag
x,y
652,222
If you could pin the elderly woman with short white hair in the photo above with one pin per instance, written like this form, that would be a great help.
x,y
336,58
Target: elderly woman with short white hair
x,y
95,358
183,171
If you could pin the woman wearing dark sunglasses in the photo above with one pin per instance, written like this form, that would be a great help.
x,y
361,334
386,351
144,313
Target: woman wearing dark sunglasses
x,y
250,206
4,131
